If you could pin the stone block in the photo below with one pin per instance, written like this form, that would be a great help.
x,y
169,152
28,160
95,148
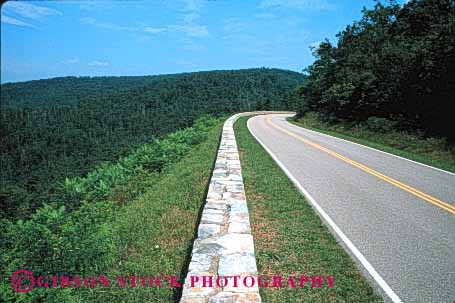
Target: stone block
x,y
209,218
239,227
237,264
208,230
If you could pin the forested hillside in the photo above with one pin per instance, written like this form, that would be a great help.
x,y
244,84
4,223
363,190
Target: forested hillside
x,y
69,90
395,68
111,219
63,127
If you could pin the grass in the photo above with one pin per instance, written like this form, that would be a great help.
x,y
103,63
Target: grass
x,y
431,151
289,236
144,226
157,230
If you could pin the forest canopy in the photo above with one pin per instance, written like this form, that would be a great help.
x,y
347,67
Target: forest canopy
x,y
63,127
394,69
395,66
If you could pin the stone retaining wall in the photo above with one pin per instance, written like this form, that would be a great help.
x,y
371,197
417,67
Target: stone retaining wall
x,y
224,246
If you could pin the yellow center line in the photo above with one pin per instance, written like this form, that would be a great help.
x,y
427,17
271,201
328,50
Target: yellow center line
x,y
435,201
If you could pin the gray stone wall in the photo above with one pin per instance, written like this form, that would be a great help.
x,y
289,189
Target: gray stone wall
x,y
224,246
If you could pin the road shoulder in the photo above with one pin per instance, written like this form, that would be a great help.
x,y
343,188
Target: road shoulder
x,y
290,238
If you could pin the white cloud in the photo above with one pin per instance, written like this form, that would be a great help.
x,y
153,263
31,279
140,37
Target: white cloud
x,y
98,63
188,27
191,5
197,31
234,25
155,30
29,10
296,4
108,25
85,5
191,27
23,13
88,20
266,16
14,21
71,61
191,30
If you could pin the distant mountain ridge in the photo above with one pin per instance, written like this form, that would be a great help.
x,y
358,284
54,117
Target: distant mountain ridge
x,y
71,89
63,127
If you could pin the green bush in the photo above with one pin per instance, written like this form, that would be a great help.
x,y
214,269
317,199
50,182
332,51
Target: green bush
x,y
15,201
55,240
395,62
380,124
79,239
149,158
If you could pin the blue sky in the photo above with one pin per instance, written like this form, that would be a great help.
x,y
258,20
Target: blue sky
x,y
44,39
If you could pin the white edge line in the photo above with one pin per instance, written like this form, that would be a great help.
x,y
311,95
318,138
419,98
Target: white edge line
x,y
376,276
372,148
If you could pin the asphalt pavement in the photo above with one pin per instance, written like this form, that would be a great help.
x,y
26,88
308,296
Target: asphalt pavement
x,y
399,215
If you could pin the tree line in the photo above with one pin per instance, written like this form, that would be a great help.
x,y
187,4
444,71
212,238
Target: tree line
x,y
394,67
63,127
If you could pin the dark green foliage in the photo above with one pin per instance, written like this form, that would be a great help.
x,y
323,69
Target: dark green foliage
x,y
55,241
76,235
59,138
63,127
397,63
380,133
380,124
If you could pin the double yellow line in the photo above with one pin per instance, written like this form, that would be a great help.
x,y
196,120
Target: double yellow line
x,y
435,201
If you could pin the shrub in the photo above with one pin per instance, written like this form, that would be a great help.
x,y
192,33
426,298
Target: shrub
x,y
149,158
55,241
380,124
79,239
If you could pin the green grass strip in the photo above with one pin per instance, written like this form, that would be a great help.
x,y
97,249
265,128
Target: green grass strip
x,y
158,228
396,143
289,237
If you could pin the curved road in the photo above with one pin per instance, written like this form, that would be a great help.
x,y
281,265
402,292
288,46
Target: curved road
x,y
394,216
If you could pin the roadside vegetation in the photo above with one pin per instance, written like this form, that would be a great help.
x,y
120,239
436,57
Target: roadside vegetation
x,y
377,133
134,217
389,77
63,127
289,237
105,175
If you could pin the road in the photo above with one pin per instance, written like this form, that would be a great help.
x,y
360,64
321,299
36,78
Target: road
x,y
395,217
